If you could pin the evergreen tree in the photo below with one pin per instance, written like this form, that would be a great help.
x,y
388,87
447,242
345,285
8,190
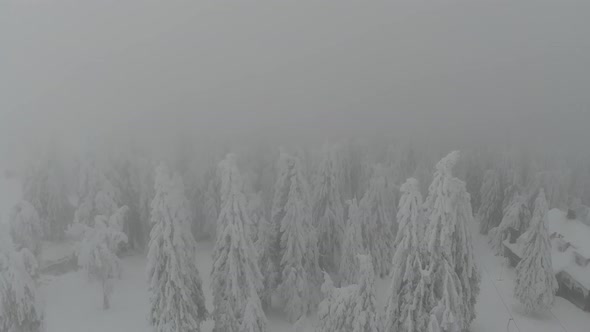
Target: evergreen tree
x,y
535,279
490,209
285,165
44,187
235,276
354,244
96,194
335,310
298,268
365,315
408,306
267,250
132,174
255,208
26,227
378,222
145,195
351,308
211,202
328,212
516,217
254,317
20,309
454,276
177,301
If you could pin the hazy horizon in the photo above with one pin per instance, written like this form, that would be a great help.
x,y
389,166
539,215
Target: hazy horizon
x,y
456,71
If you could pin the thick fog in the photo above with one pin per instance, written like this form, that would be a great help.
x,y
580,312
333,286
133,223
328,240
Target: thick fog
x,y
450,70
329,166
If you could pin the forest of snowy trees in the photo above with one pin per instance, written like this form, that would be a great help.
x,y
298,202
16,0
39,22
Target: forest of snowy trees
x,y
302,232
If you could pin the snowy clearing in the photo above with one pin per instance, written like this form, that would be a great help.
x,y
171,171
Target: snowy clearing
x,y
73,293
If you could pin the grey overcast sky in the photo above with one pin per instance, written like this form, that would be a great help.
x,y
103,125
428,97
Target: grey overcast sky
x,y
471,69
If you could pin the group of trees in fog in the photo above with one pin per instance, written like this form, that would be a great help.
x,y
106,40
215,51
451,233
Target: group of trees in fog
x,y
302,231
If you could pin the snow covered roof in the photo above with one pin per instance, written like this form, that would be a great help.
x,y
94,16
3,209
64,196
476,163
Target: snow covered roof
x,y
569,231
572,231
577,235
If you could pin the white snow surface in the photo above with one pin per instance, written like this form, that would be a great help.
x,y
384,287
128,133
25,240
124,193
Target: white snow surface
x,y
73,303
573,231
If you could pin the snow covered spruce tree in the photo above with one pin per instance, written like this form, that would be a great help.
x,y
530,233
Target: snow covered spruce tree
x,y
267,251
516,217
256,212
26,227
44,187
176,295
254,317
535,279
236,281
328,211
408,305
270,241
97,253
351,308
490,209
211,201
365,315
20,309
378,222
299,270
354,244
454,279
97,195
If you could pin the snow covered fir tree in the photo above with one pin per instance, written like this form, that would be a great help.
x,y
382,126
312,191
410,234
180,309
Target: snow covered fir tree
x,y
177,302
352,308
489,214
516,218
299,272
236,278
379,224
26,228
407,306
328,211
354,244
454,277
20,305
535,284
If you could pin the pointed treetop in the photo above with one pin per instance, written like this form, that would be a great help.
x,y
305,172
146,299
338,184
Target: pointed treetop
x,y
446,164
231,179
410,186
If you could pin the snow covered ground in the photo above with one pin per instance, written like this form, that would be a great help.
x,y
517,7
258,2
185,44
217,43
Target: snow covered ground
x,y
74,303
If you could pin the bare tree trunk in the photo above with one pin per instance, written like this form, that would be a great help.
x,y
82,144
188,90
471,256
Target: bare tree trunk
x,y
105,294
